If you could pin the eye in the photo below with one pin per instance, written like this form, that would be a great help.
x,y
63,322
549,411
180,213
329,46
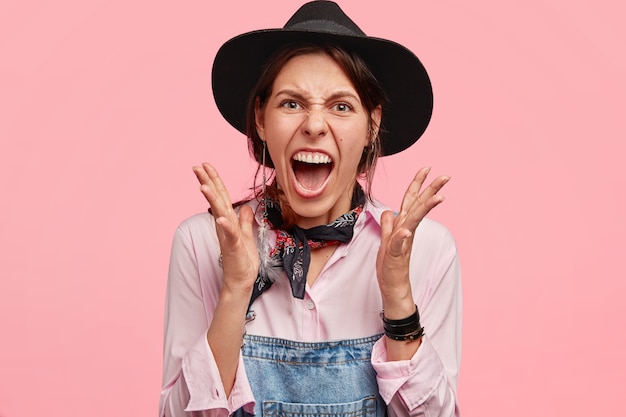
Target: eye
x,y
291,105
342,107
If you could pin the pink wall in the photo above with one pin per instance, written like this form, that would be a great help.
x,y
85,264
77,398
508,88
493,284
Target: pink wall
x,y
106,105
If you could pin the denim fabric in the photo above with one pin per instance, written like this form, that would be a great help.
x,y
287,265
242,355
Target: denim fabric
x,y
299,379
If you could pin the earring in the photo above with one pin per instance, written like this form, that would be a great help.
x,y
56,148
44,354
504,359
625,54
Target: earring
x,y
269,268
264,179
263,239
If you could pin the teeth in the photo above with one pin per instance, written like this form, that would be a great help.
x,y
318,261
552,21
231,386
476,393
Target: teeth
x,y
312,158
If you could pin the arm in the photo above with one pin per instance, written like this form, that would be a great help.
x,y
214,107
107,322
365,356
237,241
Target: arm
x,y
425,384
203,368
191,378
411,375
240,262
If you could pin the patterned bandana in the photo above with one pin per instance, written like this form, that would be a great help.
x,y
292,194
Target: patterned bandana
x,y
293,246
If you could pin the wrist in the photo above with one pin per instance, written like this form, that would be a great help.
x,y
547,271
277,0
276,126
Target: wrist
x,y
395,290
405,329
235,298
237,287
399,306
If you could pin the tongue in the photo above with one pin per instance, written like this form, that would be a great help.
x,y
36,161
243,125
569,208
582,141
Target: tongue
x,y
311,176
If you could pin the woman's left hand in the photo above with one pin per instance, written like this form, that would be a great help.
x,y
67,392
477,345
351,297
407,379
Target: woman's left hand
x,y
398,231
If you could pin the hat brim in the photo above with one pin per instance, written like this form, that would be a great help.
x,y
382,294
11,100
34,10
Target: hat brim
x,y
239,63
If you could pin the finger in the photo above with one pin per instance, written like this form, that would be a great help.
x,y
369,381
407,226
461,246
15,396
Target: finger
x,y
434,187
246,220
399,241
201,174
386,226
218,207
417,213
205,180
217,180
221,233
429,196
228,234
413,192
214,191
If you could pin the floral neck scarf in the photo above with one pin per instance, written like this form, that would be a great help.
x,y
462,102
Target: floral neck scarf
x,y
293,246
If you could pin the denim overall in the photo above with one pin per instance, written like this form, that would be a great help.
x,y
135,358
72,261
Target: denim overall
x,y
301,379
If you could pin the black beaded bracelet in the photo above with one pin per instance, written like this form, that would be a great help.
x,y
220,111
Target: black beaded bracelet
x,y
411,336
408,328
413,317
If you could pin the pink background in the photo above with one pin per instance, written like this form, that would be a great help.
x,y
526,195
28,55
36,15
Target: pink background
x,y
106,105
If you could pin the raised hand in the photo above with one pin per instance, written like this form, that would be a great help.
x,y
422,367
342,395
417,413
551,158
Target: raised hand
x,y
240,257
240,260
398,231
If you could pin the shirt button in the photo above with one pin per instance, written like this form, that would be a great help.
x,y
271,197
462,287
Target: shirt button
x,y
310,305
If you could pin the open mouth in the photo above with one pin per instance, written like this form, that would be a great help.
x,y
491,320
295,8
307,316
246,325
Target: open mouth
x,y
311,169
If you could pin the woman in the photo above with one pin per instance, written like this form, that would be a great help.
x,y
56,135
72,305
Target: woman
x,y
313,298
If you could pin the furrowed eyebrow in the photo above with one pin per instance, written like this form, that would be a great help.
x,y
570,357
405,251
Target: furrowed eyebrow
x,y
291,93
335,96
343,94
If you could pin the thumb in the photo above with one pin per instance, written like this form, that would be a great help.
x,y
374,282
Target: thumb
x,y
246,219
386,226
397,243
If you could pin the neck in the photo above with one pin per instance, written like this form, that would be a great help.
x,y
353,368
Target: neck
x,y
355,196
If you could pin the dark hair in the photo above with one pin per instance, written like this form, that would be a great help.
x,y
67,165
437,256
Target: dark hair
x,y
367,86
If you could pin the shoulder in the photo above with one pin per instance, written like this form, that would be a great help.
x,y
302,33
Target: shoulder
x,y
434,238
194,239
197,220
434,230
196,229
196,223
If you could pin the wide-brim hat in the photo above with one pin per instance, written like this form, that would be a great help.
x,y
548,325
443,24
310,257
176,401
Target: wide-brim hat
x,y
239,64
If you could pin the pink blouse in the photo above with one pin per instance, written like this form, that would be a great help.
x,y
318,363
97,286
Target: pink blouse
x,y
343,303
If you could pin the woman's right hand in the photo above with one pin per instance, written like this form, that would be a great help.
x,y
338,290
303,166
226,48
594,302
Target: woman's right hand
x,y
240,257
240,261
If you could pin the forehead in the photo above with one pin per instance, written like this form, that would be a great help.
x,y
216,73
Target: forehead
x,y
313,70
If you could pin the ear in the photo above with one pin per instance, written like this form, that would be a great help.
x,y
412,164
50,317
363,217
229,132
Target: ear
x,y
259,118
375,118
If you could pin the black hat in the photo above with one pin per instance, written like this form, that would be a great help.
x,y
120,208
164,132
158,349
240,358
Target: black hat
x,y
239,63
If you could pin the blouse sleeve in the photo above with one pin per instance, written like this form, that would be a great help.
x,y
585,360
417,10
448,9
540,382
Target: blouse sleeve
x,y
426,384
191,381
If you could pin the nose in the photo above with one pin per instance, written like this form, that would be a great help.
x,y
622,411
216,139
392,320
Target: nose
x,y
315,125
